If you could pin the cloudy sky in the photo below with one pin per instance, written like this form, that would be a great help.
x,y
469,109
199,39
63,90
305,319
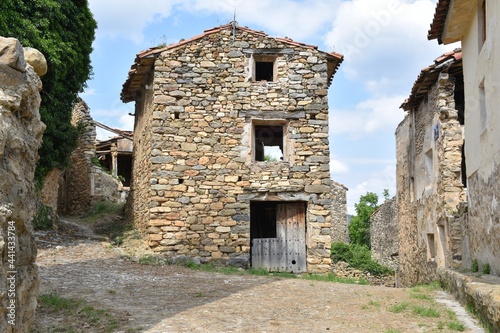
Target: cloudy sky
x,y
384,43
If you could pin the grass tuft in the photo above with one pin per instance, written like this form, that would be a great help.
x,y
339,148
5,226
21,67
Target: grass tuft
x,y
398,308
425,311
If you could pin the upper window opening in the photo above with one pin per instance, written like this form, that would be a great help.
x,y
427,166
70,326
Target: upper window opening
x,y
264,68
482,23
268,141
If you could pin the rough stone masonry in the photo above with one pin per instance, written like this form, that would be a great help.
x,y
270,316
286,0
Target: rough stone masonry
x,y
202,108
20,137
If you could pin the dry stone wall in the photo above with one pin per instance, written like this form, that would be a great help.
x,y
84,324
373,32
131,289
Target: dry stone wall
x,y
76,182
384,233
194,148
429,186
20,137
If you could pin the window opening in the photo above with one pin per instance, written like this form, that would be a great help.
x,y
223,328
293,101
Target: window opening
x,y
268,142
429,163
431,248
263,218
264,68
482,23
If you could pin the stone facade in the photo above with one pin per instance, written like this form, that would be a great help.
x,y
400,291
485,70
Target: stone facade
x,y
475,24
20,137
429,173
384,233
206,111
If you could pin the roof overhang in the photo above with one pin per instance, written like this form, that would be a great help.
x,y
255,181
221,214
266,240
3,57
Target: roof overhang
x,y
450,62
451,20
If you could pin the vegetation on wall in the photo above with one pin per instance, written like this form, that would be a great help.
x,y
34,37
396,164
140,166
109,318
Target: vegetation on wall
x,y
63,30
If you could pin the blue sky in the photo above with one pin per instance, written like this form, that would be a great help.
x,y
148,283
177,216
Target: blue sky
x,y
384,43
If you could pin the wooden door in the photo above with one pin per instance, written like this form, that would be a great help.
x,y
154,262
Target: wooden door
x,y
286,252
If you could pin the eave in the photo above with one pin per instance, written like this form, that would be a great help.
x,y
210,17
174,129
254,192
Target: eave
x,y
451,20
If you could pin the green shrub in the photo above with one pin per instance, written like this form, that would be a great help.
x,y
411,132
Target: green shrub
x,y
475,266
43,219
486,269
357,256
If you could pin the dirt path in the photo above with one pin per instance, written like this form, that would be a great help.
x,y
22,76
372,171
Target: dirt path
x,y
178,299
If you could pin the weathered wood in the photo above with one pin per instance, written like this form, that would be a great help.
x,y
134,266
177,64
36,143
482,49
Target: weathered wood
x,y
286,252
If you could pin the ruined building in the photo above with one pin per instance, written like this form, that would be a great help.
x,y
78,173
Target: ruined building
x,y
429,171
476,25
384,229
231,155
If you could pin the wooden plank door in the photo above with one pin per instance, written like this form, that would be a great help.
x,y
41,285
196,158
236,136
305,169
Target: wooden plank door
x,y
286,252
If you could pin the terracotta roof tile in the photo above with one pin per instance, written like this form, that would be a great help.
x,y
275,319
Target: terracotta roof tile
x,y
428,77
437,25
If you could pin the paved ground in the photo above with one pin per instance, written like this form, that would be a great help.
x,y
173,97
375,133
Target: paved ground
x,y
178,299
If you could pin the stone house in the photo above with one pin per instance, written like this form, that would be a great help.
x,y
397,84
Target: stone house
x,y
231,154
475,23
430,173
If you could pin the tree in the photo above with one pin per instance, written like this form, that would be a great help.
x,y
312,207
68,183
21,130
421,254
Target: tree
x,y
359,228
63,30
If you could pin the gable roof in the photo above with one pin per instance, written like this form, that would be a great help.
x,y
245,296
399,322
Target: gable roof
x,y
451,19
145,59
450,62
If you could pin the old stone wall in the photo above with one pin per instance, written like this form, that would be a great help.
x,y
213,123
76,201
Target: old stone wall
x,y
340,231
20,137
484,220
195,146
77,179
429,185
384,234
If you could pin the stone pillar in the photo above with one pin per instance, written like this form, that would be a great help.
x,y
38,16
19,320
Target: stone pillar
x,y
20,137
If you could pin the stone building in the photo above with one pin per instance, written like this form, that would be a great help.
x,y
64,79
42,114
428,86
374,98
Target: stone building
x,y
430,171
475,23
384,230
231,154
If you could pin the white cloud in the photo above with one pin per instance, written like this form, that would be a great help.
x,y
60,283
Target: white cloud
x,y
380,38
369,116
374,182
295,19
338,167
127,18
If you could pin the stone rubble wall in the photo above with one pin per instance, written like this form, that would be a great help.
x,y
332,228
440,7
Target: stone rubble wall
x,y
479,293
384,235
427,198
77,179
20,137
483,228
194,152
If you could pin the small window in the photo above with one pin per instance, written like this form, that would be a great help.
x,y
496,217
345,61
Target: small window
x,y
431,247
264,68
482,23
268,142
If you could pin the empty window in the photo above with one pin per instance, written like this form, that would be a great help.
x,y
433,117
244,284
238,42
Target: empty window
x,y
268,142
431,247
263,218
482,23
264,68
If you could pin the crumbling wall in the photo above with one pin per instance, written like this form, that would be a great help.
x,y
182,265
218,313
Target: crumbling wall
x,y
429,186
77,179
20,137
384,232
